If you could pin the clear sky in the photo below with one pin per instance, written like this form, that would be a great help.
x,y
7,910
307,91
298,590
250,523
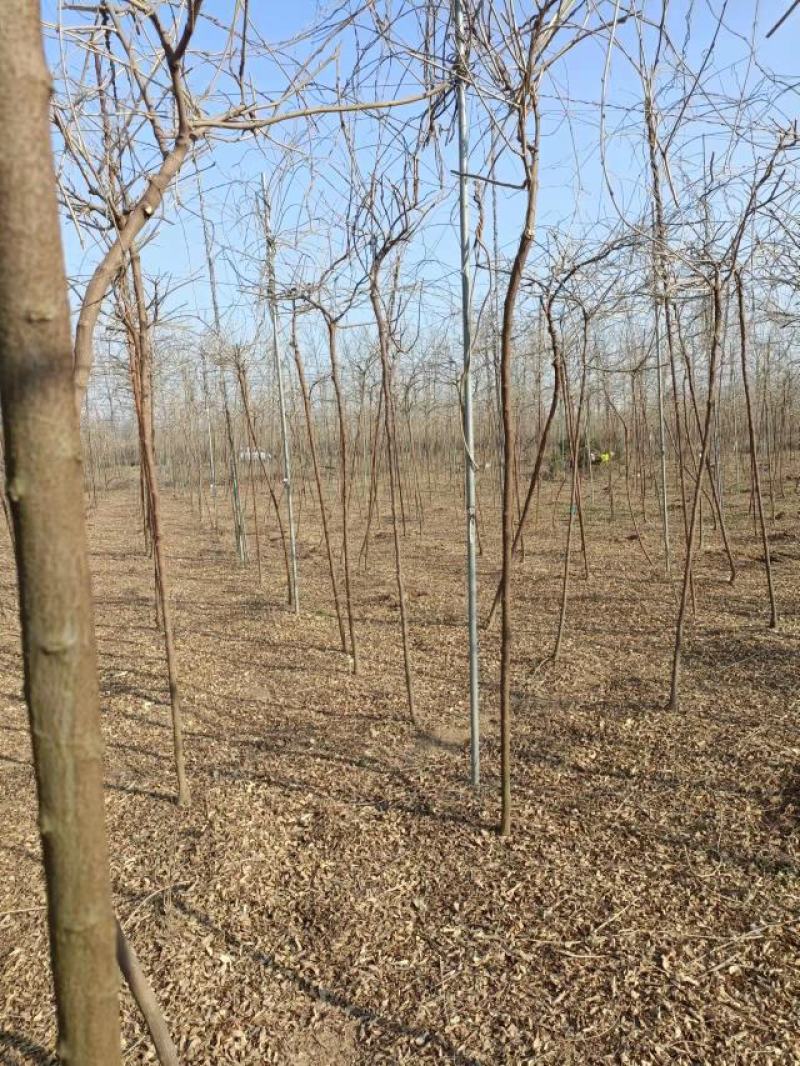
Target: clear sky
x,y
574,195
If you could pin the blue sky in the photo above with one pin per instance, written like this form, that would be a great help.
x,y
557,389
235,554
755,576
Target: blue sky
x,y
574,197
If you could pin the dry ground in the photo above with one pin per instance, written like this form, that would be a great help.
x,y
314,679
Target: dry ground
x,y
337,894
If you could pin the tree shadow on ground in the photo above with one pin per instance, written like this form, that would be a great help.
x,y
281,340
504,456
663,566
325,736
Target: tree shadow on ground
x,y
133,790
30,1052
390,1028
786,814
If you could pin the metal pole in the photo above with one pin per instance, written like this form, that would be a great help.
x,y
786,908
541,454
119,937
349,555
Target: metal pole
x,y
287,468
662,446
469,439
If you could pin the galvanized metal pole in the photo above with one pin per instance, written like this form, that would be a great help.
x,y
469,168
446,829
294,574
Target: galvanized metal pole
x,y
287,462
662,447
469,439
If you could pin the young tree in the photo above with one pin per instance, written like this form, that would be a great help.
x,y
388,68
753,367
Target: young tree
x,y
140,336
43,455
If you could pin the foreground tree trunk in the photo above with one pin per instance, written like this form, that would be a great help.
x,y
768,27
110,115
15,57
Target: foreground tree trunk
x,y
45,487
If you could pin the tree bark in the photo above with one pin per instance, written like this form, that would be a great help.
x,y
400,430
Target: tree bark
x,y
45,488
145,1000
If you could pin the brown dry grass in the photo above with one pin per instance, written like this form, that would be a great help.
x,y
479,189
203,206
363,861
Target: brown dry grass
x,y
338,895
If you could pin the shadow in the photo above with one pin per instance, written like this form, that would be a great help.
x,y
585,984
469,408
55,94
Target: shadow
x,y
135,749
749,863
22,852
17,762
382,718
786,815
141,719
133,790
30,1052
367,1016
422,808
119,687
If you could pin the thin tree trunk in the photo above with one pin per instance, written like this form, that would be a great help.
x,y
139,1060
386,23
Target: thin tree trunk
x,y
151,471
251,432
773,610
574,436
388,411
323,511
674,699
145,1000
507,534
535,477
372,503
239,531
337,388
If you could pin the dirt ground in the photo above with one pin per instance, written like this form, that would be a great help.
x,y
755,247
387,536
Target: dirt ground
x,y
337,893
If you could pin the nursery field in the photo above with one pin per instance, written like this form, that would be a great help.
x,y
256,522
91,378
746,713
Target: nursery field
x,y
337,893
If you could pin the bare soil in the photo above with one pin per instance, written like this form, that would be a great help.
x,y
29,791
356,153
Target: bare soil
x,y
338,895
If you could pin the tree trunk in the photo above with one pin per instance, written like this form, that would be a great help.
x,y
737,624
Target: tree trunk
x,y
323,511
674,699
241,375
145,1000
393,470
759,501
337,388
45,488
506,354
144,409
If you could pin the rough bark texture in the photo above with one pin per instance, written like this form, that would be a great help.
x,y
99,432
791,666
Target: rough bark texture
x,y
45,487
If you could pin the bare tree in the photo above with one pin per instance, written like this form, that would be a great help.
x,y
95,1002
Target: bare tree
x,y
141,347
45,479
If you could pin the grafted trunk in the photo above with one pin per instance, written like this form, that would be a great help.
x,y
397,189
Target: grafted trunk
x,y
45,488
